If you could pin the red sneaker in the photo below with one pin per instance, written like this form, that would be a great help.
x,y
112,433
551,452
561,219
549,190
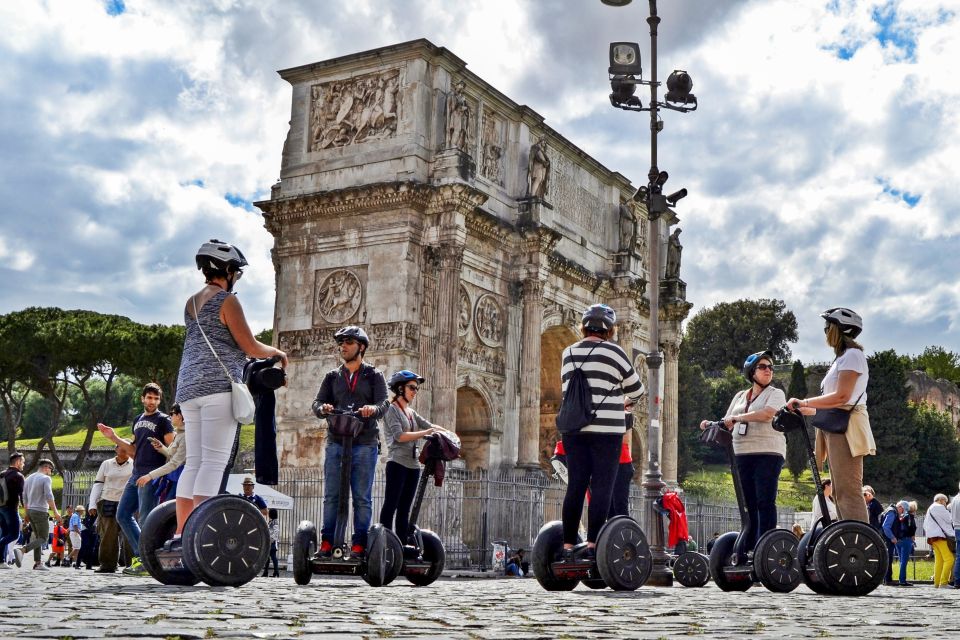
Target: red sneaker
x,y
356,550
326,548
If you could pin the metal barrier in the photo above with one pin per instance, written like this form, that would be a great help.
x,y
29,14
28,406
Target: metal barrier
x,y
469,512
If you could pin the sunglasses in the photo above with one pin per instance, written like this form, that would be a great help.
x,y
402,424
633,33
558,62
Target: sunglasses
x,y
413,387
348,341
764,367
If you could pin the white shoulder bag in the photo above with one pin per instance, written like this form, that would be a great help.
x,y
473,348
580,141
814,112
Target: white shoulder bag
x,y
240,397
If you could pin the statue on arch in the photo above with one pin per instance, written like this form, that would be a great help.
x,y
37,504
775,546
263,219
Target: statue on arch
x,y
538,170
458,117
628,228
674,249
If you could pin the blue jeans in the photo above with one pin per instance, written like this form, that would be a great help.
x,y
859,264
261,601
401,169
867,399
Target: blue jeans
x,y
904,549
956,564
139,500
9,530
759,475
363,466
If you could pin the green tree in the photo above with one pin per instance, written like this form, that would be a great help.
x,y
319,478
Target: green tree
x,y
938,452
725,334
894,467
797,454
937,362
156,356
265,336
694,399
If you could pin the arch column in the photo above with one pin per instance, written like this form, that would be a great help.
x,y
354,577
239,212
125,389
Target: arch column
x,y
671,431
528,450
447,353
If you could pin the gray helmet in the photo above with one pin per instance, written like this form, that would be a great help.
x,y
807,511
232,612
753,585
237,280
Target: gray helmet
x,y
599,317
354,332
849,321
220,255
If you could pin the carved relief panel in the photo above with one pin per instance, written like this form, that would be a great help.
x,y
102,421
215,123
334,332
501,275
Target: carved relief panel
x,y
465,312
339,296
491,166
345,112
489,320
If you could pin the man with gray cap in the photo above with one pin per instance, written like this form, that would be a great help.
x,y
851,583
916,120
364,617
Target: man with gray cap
x,y
251,497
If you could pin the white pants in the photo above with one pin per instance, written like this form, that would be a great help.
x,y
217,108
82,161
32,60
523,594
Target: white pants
x,y
208,432
75,540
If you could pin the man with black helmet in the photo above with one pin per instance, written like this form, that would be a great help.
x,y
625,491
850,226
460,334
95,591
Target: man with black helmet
x,y
353,386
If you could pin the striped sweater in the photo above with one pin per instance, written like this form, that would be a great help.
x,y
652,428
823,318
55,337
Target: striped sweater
x,y
610,376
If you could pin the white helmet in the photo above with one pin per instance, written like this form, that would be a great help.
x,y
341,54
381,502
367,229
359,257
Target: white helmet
x,y
850,323
220,255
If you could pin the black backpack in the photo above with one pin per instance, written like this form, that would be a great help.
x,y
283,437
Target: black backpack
x,y
4,494
576,408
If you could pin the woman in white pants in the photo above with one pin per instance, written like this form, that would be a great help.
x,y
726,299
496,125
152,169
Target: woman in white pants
x,y
217,344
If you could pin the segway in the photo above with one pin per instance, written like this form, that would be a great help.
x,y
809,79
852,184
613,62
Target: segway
x,y
383,558
844,557
424,555
622,561
225,541
733,565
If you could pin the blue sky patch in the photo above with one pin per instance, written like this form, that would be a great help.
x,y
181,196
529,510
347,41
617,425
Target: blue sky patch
x,y
910,198
238,201
893,33
114,7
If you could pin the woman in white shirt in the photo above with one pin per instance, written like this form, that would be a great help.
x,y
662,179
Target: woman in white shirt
x,y
938,529
844,386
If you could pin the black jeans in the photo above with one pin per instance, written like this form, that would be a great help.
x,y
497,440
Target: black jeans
x,y
273,559
759,475
592,462
620,502
397,498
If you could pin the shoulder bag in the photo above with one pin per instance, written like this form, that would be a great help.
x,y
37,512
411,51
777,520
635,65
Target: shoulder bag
x,y
240,397
834,420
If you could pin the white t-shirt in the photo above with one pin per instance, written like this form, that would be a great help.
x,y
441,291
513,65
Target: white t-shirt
x,y
851,360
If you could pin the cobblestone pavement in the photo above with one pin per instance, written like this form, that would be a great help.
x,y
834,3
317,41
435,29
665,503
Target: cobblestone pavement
x,y
64,603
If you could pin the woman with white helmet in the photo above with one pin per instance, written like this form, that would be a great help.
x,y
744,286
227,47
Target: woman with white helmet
x,y
845,387
217,344
593,452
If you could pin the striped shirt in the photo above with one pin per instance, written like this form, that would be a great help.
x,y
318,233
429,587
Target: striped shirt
x,y
610,376
200,373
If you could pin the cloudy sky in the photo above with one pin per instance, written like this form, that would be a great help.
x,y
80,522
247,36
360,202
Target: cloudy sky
x,y
822,164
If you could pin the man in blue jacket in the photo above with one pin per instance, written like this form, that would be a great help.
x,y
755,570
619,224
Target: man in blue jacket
x,y
899,527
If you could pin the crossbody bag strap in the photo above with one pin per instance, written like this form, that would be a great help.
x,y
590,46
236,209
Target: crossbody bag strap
x,y
855,402
205,339
596,407
942,530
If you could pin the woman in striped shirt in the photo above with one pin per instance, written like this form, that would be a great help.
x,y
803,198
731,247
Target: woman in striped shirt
x,y
593,453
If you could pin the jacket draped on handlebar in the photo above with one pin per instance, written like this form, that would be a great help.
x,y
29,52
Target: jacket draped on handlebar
x,y
349,393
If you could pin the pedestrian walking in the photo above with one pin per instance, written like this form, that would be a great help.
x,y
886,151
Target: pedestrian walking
x,y
11,497
874,508
89,541
353,386
403,428
75,534
273,525
759,449
168,474
899,528
108,487
38,496
217,343
250,496
844,387
939,532
593,452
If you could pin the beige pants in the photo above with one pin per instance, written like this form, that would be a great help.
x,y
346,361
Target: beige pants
x,y
846,471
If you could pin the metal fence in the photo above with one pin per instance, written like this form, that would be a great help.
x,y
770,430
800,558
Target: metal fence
x,y
470,512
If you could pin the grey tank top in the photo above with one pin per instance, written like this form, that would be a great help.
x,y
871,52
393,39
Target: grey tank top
x,y
200,373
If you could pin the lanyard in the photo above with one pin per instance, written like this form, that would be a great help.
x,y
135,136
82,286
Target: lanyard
x,y
351,380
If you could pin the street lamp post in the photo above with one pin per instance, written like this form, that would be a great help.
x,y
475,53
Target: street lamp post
x,y
625,74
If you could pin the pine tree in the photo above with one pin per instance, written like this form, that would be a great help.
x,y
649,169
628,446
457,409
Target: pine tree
x,y
796,446
938,451
894,468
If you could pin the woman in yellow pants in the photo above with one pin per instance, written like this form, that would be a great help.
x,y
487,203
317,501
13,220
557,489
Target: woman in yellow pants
x,y
937,528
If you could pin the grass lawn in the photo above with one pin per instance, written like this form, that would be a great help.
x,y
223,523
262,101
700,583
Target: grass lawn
x,y
75,440
715,482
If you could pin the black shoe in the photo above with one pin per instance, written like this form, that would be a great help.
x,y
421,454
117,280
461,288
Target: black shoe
x,y
904,584
102,570
276,574
174,544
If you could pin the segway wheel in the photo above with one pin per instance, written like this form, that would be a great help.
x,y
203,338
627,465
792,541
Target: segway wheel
x,y
623,555
304,548
547,549
850,558
226,541
775,561
691,569
434,553
159,527
805,562
719,555
384,556
594,583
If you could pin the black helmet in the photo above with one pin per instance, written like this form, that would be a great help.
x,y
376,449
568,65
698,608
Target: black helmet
x,y
401,378
599,317
221,256
354,332
750,364
849,321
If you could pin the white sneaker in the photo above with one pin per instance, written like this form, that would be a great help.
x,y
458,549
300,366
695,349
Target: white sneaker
x,y
41,567
4,565
18,557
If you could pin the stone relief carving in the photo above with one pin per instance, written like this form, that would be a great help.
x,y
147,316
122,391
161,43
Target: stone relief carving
x,y
674,249
571,199
485,358
538,170
318,343
459,118
488,318
353,110
463,320
491,167
339,296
